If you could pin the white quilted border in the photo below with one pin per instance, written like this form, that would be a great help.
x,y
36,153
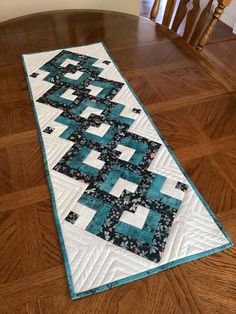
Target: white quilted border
x,y
92,262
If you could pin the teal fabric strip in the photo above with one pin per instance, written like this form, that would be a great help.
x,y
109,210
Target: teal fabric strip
x,y
54,70
117,172
152,220
156,185
134,232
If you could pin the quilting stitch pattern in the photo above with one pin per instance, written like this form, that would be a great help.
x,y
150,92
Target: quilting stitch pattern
x,y
92,263
80,76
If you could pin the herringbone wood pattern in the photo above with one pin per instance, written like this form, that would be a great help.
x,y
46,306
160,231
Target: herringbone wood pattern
x,y
193,105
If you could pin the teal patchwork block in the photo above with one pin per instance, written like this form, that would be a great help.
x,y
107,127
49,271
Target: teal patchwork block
x,y
117,172
135,233
106,88
72,126
80,80
115,115
140,149
56,96
55,68
102,209
88,103
101,139
77,162
155,194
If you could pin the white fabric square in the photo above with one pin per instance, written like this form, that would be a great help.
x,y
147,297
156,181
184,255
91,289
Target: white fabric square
x,y
100,130
169,189
85,215
68,61
68,94
94,90
121,185
100,64
126,152
74,76
136,219
128,113
93,161
90,110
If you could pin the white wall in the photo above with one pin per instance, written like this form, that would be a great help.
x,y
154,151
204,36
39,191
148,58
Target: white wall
x,y
229,16
14,8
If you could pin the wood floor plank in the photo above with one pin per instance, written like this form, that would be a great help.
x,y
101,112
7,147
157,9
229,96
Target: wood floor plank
x,y
178,282
46,276
10,259
217,192
205,149
25,197
14,309
144,90
222,55
177,128
186,101
27,223
217,116
226,160
26,166
19,138
17,117
50,248
181,79
5,184
42,306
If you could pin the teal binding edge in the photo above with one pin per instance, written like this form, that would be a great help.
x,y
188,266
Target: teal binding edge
x,y
144,274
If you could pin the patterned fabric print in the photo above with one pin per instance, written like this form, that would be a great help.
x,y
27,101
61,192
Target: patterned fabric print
x,y
34,75
136,110
48,130
130,209
181,186
72,217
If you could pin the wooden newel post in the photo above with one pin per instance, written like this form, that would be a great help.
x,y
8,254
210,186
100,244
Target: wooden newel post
x,y
154,12
210,27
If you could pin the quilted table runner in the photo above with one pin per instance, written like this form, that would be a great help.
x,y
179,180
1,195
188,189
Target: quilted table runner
x,y
123,206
